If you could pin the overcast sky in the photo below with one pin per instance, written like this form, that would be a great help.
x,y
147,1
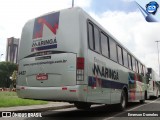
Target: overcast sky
x,y
120,17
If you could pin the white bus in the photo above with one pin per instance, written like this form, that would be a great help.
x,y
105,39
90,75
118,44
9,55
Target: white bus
x,y
68,56
153,84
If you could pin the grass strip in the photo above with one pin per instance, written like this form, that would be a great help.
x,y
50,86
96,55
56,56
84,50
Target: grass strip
x,y
10,99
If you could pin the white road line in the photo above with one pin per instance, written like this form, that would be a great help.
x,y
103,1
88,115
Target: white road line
x,y
142,105
129,110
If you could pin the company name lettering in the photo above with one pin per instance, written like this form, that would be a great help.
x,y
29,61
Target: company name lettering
x,y
44,43
105,72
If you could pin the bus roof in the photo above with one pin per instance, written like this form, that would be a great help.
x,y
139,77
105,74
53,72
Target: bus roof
x,y
87,16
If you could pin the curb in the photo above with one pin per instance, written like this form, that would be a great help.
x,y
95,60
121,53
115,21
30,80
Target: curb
x,y
36,108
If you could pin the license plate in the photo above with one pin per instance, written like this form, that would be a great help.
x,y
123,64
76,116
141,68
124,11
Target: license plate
x,y
42,77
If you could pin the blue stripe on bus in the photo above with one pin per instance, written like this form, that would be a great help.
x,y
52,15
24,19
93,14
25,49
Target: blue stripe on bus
x,y
45,47
104,83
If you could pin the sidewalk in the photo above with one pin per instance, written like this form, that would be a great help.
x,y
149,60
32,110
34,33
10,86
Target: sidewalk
x,y
38,108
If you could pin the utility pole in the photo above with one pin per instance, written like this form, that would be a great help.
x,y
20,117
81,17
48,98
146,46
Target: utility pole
x,y
158,56
72,3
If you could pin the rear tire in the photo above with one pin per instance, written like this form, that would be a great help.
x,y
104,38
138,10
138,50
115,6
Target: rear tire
x,y
122,105
142,101
82,105
146,97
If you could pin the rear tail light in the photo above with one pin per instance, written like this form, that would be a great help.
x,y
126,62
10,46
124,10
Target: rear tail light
x,y
80,69
64,88
80,63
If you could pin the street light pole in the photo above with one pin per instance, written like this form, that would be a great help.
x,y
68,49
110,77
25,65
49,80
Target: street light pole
x,y
72,3
158,56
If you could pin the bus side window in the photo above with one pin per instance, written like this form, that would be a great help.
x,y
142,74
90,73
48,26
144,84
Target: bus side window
x,y
134,64
137,66
104,45
113,50
120,59
125,58
97,39
90,33
142,69
129,62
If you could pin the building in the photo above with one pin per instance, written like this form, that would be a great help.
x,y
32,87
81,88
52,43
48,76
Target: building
x,y
12,50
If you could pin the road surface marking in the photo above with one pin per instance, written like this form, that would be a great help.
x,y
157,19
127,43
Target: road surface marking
x,y
129,110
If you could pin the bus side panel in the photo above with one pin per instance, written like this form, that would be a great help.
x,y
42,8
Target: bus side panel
x,y
96,93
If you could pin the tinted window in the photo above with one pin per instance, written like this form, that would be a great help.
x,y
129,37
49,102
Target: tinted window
x,y
137,66
96,38
113,52
125,58
120,59
104,45
134,64
142,69
129,62
90,32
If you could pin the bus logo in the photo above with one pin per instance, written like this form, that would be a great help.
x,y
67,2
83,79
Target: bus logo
x,y
51,21
152,7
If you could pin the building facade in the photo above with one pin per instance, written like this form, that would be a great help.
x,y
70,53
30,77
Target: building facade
x,y
12,50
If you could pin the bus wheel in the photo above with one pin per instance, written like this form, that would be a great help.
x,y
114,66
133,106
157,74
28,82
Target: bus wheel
x,y
142,101
157,94
122,105
82,105
146,97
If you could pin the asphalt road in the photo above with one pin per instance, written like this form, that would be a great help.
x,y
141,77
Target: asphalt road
x,y
102,112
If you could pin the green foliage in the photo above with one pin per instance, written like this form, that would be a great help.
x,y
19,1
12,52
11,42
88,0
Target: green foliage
x,y
14,75
6,70
13,80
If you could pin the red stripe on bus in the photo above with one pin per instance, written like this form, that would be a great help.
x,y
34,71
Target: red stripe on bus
x,y
64,88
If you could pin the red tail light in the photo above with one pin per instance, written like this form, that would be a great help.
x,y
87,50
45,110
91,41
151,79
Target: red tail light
x,y
80,63
80,69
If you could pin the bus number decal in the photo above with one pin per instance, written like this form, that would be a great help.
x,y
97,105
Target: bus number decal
x,y
21,72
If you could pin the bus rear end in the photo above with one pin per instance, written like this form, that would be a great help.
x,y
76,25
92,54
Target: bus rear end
x,y
49,59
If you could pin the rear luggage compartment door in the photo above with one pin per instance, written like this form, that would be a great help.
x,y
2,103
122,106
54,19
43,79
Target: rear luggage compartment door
x,y
53,70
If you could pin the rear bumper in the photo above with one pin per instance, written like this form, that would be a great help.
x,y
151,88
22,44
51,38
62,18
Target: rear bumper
x,y
66,93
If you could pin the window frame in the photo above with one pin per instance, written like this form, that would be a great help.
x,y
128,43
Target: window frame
x,y
130,56
112,40
124,58
96,28
121,52
107,44
130,65
89,23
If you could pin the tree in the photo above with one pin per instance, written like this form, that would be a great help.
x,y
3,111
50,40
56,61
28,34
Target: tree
x,y
13,79
6,70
